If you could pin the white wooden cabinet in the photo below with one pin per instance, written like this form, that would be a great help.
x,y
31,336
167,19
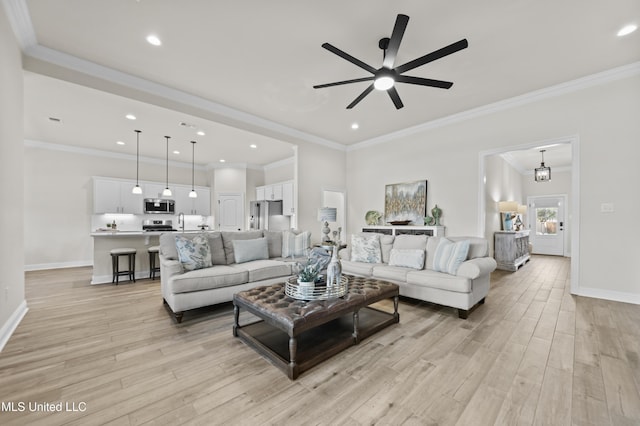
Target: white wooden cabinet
x,y
433,231
288,199
192,206
269,192
511,249
153,190
114,196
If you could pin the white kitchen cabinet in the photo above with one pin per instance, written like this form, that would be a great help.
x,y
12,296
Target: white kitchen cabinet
x,y
153,190
114,196
288,199
192,206
269,192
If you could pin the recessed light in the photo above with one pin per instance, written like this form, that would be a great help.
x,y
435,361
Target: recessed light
x,y
120,143
627,29
154,40
253,145
201,133
355,126
176,152
222,160
130,116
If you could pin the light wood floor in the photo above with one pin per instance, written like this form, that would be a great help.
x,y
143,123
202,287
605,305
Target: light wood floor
x,y
533,354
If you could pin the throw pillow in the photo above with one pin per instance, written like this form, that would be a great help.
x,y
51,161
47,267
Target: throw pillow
x,y
274,241
365,248
410,258
295,244
217,249
194,253
449,255
247,250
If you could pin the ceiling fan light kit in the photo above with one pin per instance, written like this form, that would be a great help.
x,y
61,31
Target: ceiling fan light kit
x,y
385,77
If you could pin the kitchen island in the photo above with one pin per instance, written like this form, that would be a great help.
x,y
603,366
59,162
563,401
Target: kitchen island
x,y
105,241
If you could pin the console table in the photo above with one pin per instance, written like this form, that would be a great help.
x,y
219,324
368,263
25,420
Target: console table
x,y
511,249
433,231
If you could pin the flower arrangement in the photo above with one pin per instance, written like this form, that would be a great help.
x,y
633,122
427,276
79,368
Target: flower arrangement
x,y
308,273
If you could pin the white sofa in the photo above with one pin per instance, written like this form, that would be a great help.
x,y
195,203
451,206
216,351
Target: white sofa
x,y
464,289
183,290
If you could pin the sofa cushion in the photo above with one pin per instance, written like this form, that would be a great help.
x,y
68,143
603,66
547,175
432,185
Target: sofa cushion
x,y
264,269
357,268
247,250
386,244
295,243
274,241
391,273
439,280
366,248
411,258
194,253
229,236
449,255
410,242
204,279
218,256
478,247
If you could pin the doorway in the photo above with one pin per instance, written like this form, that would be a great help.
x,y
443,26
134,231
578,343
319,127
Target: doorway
x,y
547,223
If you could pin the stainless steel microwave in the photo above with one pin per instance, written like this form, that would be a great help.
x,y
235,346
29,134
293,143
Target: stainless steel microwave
x,y
159,206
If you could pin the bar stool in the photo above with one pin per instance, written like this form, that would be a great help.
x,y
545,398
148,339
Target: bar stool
x,y
153,252
115,264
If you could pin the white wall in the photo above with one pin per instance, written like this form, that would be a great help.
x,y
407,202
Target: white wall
x,y
604,117
503,183
58,200
12,292
280,172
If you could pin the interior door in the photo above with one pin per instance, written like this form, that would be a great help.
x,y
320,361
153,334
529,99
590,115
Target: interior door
x,y
230,212
547,224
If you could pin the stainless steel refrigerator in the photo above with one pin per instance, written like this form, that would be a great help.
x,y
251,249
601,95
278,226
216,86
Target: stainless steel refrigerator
x,y
268,215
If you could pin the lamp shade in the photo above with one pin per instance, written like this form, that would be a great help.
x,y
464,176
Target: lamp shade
x,y
522,209
507,206
327,214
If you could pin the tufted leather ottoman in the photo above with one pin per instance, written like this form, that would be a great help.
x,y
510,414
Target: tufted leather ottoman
x,y
295,334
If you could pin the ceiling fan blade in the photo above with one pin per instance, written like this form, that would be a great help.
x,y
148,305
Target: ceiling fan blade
x,y
361,97
393,93
429,57
394,43
349,58
424,81
338,83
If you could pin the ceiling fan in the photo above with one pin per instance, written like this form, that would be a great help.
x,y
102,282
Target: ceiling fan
x,y
384,78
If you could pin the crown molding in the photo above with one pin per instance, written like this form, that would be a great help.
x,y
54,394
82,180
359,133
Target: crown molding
x,y
280,163
20,21
603,77
29,143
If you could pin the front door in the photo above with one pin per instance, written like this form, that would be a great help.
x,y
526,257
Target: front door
x,y
547,224
230,212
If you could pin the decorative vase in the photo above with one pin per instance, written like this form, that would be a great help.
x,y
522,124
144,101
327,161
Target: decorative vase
x,y
436,212
306,287
334,270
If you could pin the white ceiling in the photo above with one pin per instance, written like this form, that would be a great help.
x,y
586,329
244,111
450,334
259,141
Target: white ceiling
x,y
261,59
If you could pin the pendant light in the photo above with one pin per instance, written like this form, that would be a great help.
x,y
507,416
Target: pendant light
x,y
542,173
167,191
136,189
193,193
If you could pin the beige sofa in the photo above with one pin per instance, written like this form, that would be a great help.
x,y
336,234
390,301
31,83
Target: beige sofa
x,y
464,289
183,289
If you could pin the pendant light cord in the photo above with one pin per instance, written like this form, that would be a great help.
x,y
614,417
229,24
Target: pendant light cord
x,y
167,161
137,157
193,156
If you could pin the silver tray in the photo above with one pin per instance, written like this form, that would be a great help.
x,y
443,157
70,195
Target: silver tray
x,y
319,292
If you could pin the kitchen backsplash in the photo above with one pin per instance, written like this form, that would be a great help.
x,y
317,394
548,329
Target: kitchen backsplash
x,y
129,222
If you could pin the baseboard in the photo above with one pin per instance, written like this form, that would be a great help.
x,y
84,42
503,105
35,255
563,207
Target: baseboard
x,y
616,296
57,265
12,323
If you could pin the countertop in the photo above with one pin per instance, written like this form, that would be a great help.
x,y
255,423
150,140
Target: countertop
x,y
139,233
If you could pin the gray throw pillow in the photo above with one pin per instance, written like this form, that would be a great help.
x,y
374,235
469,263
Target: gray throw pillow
x,y
248,250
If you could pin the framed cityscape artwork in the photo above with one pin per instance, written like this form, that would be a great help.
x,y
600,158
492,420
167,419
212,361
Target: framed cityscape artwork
x,y
405,203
